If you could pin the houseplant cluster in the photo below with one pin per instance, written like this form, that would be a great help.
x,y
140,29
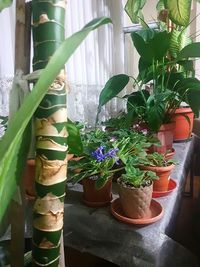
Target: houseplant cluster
x,y
122,156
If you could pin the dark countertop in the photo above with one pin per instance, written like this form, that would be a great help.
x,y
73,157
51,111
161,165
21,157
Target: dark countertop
x,y
96,231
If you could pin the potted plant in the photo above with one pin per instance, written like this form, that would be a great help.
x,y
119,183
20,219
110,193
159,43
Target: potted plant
x,y
105,154
162,166
176,24
95,167
135,191
156,105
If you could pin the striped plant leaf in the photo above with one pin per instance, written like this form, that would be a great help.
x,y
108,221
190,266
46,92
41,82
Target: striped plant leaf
x,y
13,140
133,9
179,11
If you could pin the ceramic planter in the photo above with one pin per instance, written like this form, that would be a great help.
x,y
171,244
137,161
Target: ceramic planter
x,y
96,197
164,176
183,119
135,202
165,136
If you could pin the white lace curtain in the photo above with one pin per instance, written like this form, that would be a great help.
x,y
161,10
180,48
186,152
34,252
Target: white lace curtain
x,y
100,56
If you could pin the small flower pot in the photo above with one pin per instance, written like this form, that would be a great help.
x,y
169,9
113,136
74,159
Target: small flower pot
x,y
135,202
94,197
165,136
164,176
183,119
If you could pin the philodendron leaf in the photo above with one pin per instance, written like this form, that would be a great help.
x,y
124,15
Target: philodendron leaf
x,y
11,143
4,4
133,9
189,89
155,113
189,51
155,48
179,11
111,89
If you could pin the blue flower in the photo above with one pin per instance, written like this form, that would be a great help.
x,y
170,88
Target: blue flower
x,y
112,152
99,154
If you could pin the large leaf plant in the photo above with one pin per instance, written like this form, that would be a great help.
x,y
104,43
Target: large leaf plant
x,y
169,83
166,61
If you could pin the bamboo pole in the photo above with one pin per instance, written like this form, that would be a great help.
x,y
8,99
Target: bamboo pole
x,y
51,137
22,62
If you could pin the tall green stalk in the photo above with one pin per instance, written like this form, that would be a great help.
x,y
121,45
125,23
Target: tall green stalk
x,y
51,135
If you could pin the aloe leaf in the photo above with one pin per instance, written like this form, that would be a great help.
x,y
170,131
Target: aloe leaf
x,y
4,4
179,11
12,141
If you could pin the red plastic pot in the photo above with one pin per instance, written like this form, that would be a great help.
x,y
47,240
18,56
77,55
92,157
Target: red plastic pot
x,y
183,119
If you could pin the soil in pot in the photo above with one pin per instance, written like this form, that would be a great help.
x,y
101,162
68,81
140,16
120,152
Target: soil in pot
x,y
164,176
183,119
135,202
94,197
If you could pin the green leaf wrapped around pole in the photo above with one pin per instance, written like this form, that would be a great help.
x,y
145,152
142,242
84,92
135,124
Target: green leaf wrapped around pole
x,y
51,141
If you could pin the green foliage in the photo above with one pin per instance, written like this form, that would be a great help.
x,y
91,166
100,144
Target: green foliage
x,y
99,163
137,178
111,89
105,153
156,159
133,9
4,4
153,48
14,144
189,51
179,11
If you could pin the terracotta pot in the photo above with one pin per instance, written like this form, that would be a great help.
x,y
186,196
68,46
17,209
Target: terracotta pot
x,y
29,179
96,197
135,202
183,119
165,136
164,176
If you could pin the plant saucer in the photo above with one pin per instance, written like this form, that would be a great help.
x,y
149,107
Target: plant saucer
x,y
171,186
155,214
